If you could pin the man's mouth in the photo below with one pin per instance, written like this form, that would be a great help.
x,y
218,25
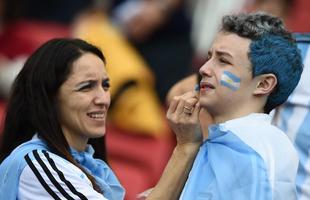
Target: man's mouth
x,y
206,86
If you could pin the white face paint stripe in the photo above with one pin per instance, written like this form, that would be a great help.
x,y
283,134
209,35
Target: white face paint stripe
x,y
230,80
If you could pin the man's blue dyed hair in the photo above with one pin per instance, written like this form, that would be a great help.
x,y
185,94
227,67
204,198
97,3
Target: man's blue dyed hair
x,y
272,50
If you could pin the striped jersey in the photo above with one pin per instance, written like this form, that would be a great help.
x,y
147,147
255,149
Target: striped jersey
x,y
31,171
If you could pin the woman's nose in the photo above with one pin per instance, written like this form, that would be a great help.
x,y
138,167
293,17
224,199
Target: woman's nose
x,y
102,97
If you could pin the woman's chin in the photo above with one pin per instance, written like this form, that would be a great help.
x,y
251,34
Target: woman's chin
x,y
98,133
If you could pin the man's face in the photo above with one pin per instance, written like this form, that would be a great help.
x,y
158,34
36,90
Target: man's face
x,y
227,84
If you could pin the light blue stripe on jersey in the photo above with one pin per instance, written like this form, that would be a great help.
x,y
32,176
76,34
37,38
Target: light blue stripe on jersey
x,y
302,144
285,115
227,168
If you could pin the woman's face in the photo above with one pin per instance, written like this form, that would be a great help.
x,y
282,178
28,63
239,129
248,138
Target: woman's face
x,y
83,101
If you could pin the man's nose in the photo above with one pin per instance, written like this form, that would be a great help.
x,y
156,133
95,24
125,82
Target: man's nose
x,y
206,69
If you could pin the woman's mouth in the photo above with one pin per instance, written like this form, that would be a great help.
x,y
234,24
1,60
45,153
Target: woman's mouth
x,y
99,115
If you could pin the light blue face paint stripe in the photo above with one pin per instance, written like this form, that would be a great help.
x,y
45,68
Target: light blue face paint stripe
x,y
230,80
197,87
301,143
232,76
234,88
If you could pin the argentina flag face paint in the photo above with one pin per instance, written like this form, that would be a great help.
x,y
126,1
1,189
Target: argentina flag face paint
x,y
230,80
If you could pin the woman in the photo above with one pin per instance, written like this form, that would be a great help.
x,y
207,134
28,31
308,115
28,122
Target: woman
x,y
59,101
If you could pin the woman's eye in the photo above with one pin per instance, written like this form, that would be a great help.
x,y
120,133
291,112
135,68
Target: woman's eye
x,y
106,84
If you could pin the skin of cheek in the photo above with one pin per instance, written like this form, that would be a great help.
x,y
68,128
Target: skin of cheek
x,y
230,80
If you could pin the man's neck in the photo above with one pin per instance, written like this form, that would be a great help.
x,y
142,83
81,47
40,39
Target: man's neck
x,y
237,113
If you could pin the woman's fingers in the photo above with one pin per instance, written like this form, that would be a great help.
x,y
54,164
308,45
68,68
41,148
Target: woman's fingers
x,y
173,105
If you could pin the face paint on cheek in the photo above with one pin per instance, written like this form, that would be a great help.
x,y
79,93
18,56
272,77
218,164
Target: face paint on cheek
x,y
230,80
197,87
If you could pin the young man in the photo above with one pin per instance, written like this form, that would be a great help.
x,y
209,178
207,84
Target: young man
x,y
253,67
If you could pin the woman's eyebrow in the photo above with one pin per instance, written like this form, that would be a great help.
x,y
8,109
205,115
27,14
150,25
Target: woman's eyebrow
x,y
106,80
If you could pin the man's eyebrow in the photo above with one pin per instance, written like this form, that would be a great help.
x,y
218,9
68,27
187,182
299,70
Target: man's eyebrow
x,y
223,53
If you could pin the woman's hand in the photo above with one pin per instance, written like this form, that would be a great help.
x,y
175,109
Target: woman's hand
x,y
183,117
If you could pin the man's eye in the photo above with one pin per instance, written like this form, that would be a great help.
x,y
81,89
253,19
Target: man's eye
x,y
224,61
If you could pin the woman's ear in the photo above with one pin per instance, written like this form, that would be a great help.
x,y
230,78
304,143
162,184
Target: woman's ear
x,y
266,84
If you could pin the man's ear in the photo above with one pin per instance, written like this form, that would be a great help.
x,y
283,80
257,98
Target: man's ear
x,y
266,84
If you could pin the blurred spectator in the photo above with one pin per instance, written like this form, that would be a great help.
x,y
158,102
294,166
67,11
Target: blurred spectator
x,y
294,12
279,8
23,28
299,16
160,30
140,19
